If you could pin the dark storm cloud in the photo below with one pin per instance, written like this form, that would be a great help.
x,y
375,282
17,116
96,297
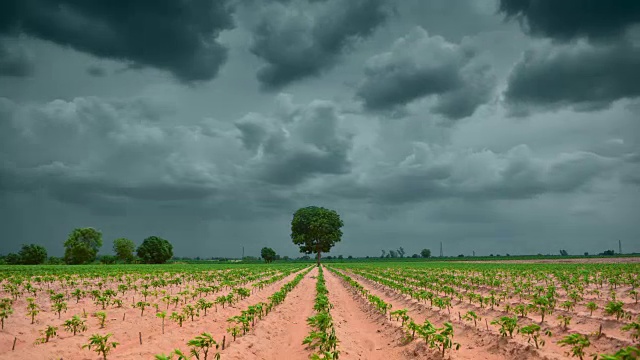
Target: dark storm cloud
x,y
300,40
419,65
433,172
14,61
297,144
581,75
177,36
96,71
568,19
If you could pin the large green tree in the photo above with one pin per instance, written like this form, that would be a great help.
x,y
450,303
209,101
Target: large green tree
x,y
124,249
155,250
82,246
316,230
425,253
32,254
268,254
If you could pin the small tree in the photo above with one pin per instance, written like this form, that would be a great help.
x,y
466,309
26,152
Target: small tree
x,y
124,248
155,250
425,253
82,246
32,254
316,230
100,344
268,254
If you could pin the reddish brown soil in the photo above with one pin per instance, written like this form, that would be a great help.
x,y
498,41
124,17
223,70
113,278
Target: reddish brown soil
x,y
279,335
126,333
363,334
484,341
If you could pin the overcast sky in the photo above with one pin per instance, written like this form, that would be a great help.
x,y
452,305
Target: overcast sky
x,y
500,126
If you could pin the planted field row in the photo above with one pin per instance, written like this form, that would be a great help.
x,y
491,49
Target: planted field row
x,y
322,337
450,303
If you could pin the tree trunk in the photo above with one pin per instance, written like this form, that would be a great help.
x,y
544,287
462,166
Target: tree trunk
x,y
318,254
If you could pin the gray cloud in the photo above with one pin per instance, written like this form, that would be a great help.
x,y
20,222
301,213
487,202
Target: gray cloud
x,y
569,19
419,65
179,37
302,142
580,75
96,71
300,40
14,60
435,172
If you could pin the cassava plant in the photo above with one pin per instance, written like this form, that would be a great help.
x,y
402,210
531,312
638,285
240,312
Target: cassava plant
x,y
75,325
533,334
578,343
102,317
101,344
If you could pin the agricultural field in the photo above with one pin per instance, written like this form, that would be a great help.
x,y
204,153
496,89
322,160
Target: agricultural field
x,y
352,310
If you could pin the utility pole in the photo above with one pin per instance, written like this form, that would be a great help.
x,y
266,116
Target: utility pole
x,y
440,248
474,253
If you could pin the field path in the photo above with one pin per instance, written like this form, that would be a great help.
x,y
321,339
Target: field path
x,y
279,335
360,336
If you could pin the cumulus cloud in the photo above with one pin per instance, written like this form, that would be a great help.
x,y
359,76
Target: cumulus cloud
x,y
419,65
300,142
580,75
440,172
177,36
570,19
298,39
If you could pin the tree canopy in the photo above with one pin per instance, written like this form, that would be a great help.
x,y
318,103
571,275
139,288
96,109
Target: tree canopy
x,y
32,254
82,246
425,253
155,250
316,230
268,254
124,249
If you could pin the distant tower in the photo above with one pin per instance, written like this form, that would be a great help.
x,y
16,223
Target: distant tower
x,y
474,253
619,247
440,248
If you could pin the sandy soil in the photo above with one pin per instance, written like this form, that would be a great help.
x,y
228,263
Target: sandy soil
x,y
363,334
66,346
485,342
279,335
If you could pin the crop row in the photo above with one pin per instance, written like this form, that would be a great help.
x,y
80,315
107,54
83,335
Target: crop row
x,y
322,337
542,302
436,338
241,324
